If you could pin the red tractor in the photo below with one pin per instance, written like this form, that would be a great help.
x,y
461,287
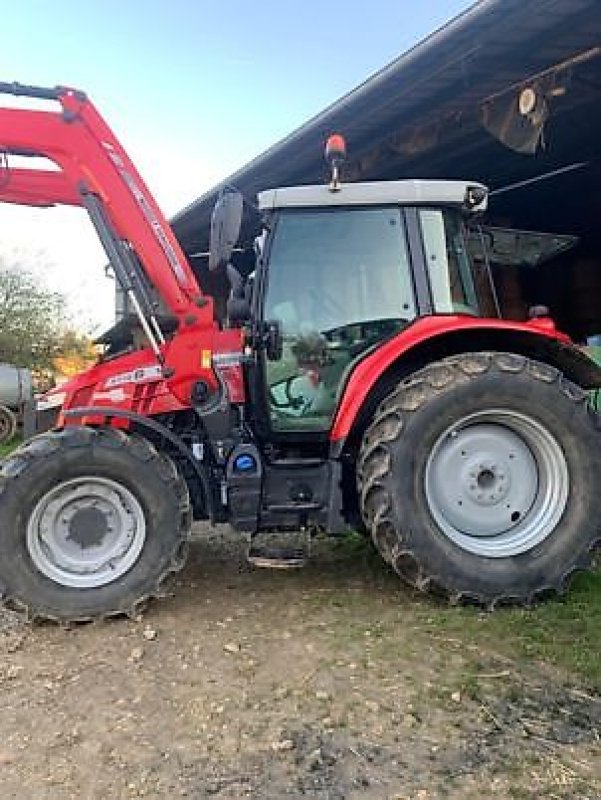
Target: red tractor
x,y
355,376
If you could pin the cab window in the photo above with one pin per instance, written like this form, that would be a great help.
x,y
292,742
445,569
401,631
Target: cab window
x,y
449,263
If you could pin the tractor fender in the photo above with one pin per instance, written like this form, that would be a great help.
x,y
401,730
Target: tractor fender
x,y
149,424
433,338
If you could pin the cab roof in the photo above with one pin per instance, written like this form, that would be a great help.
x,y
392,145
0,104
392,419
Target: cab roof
x,y
470,196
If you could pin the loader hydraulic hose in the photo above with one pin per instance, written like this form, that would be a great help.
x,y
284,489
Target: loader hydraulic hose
x,y
23,90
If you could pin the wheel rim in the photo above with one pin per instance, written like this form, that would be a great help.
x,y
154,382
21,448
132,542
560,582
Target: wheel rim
x,y
86,532
497,483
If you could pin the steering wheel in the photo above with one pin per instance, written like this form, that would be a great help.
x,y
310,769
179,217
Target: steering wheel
x,y
293,402
370,332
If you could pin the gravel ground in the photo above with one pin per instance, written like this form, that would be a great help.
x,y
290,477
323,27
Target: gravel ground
x,y
332,682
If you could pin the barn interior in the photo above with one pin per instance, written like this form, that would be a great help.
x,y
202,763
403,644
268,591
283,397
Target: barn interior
x,y
507,94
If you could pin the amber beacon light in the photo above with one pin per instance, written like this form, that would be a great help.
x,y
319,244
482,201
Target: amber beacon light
x,y
335,156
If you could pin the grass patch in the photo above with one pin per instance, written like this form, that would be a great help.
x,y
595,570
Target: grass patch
x,y
565,632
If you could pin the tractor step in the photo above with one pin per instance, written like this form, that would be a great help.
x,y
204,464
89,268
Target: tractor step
x,y
270,558
279,550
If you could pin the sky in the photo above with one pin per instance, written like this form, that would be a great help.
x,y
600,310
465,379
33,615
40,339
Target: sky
x,y
194,89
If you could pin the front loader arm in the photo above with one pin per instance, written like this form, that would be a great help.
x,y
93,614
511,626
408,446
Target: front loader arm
x,y
92,161
37,187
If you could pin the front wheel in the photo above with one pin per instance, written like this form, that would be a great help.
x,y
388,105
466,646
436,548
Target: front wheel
x,y
479,477
91,521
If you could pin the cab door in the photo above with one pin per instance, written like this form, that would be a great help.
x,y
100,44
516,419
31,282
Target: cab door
x,y
338,282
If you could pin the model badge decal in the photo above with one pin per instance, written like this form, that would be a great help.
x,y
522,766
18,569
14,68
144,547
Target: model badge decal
x,y
135,376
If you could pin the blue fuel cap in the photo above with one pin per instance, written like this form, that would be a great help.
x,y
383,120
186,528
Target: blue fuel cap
x,y
245,463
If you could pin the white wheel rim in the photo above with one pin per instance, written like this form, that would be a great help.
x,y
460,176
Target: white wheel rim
x,y
497,483
86,532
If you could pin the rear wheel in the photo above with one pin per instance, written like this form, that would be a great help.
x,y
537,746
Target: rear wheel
x,y
480,476
8,425
91,522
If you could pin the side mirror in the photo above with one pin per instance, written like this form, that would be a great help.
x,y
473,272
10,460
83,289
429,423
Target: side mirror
x,y
226,222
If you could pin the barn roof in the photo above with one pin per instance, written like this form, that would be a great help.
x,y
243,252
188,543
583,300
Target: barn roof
x,y
423,114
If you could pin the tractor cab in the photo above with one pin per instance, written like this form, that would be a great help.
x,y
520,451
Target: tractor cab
x,y
342,271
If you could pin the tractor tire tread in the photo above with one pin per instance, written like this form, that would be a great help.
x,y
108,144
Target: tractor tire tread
x,y
375,458
10,424
47,444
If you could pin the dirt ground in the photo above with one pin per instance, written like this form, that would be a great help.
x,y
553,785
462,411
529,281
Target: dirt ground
x,y
332,682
